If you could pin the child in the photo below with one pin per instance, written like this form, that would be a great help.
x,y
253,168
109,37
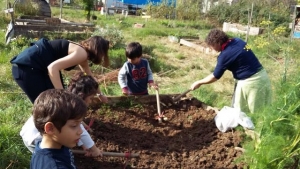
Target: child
x,y
136,72
57,115
85,87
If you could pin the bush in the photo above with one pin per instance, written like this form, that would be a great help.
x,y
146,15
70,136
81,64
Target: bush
x,y
111,33
238,13
4,20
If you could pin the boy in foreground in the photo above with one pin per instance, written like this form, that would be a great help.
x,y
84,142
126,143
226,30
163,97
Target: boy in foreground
x,y
135,75
86,87
57,115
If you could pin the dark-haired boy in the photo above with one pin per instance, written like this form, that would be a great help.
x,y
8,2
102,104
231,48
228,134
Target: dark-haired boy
x,y
135,75
57,115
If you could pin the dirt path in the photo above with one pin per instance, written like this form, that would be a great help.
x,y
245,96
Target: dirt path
x,y
189,139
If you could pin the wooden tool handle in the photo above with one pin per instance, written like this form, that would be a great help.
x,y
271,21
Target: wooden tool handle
x,y
158,106
158,103
184,93
87,127
110,154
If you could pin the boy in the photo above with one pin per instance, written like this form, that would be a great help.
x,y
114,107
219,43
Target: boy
x,y
57,115
85,87
135,74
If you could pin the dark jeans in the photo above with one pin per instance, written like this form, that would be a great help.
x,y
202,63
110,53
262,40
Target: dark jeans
x,y
32,81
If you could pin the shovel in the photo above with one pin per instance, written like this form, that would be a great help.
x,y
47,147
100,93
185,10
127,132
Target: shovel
x,y
181,95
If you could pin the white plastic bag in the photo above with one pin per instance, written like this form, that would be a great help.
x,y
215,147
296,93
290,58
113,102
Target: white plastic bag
x,y
228,118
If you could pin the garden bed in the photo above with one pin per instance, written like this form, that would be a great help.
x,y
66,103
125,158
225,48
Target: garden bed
x,y
197,44
188,139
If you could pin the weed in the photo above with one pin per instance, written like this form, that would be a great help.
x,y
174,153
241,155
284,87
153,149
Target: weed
x,y
125,103
180,56
117,57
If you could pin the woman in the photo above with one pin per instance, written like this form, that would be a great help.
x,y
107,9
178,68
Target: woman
x,y
253,87
38,67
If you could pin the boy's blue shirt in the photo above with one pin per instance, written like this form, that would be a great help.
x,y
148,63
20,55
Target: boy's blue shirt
x,y
136,77
52,158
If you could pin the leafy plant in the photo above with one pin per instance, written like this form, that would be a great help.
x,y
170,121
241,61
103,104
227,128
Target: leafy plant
x,y
117,58
111,33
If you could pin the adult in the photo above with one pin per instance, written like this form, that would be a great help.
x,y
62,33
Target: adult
x,y
39,66
253,87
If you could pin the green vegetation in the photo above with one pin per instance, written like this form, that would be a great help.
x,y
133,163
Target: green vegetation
x,y
175,69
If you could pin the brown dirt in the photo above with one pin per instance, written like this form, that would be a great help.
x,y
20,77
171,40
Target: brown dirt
x,y
188,139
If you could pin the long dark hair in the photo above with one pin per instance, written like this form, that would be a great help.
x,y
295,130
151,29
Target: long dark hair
x,y
97,49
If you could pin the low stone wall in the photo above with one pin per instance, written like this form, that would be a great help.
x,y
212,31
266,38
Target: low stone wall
x,y
238,28
199,47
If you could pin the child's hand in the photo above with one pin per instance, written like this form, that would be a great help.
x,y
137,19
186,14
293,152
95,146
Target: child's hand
x,y
125,91
195,85
93,152
153,85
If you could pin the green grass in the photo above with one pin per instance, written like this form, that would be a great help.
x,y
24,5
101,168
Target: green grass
x,y
175,68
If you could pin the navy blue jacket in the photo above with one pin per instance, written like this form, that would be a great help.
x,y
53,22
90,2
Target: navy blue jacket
x,y
238,59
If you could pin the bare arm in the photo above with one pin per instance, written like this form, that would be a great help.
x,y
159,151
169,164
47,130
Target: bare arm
x,y
84,66
208,79
76,55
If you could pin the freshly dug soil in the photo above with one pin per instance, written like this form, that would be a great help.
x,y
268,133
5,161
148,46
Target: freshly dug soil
x,y
188,139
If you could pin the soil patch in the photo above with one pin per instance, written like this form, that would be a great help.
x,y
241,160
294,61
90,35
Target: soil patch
x,y
188,139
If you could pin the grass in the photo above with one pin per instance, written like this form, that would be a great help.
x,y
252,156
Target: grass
x,y
175,68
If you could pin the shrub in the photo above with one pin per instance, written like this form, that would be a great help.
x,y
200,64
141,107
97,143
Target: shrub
x,y
111,33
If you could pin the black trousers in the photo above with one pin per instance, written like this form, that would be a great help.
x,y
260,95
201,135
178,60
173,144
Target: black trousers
x,y
32,81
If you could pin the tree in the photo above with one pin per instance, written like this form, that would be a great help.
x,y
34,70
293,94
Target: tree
x,y
88,6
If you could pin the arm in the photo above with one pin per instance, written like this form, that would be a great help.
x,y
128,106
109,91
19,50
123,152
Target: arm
x,y
122,79
76,56
88,144
208,79
150,77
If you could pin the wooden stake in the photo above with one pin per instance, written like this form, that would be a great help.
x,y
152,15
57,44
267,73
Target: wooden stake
x,y
110,154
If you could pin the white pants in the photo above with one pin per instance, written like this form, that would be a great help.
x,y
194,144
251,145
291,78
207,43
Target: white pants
x,y
254,93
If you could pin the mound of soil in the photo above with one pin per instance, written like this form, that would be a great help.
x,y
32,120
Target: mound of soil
x,y
109,77
188,139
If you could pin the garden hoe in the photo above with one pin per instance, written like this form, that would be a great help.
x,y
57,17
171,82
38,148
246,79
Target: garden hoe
x,y
176,99
160,116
